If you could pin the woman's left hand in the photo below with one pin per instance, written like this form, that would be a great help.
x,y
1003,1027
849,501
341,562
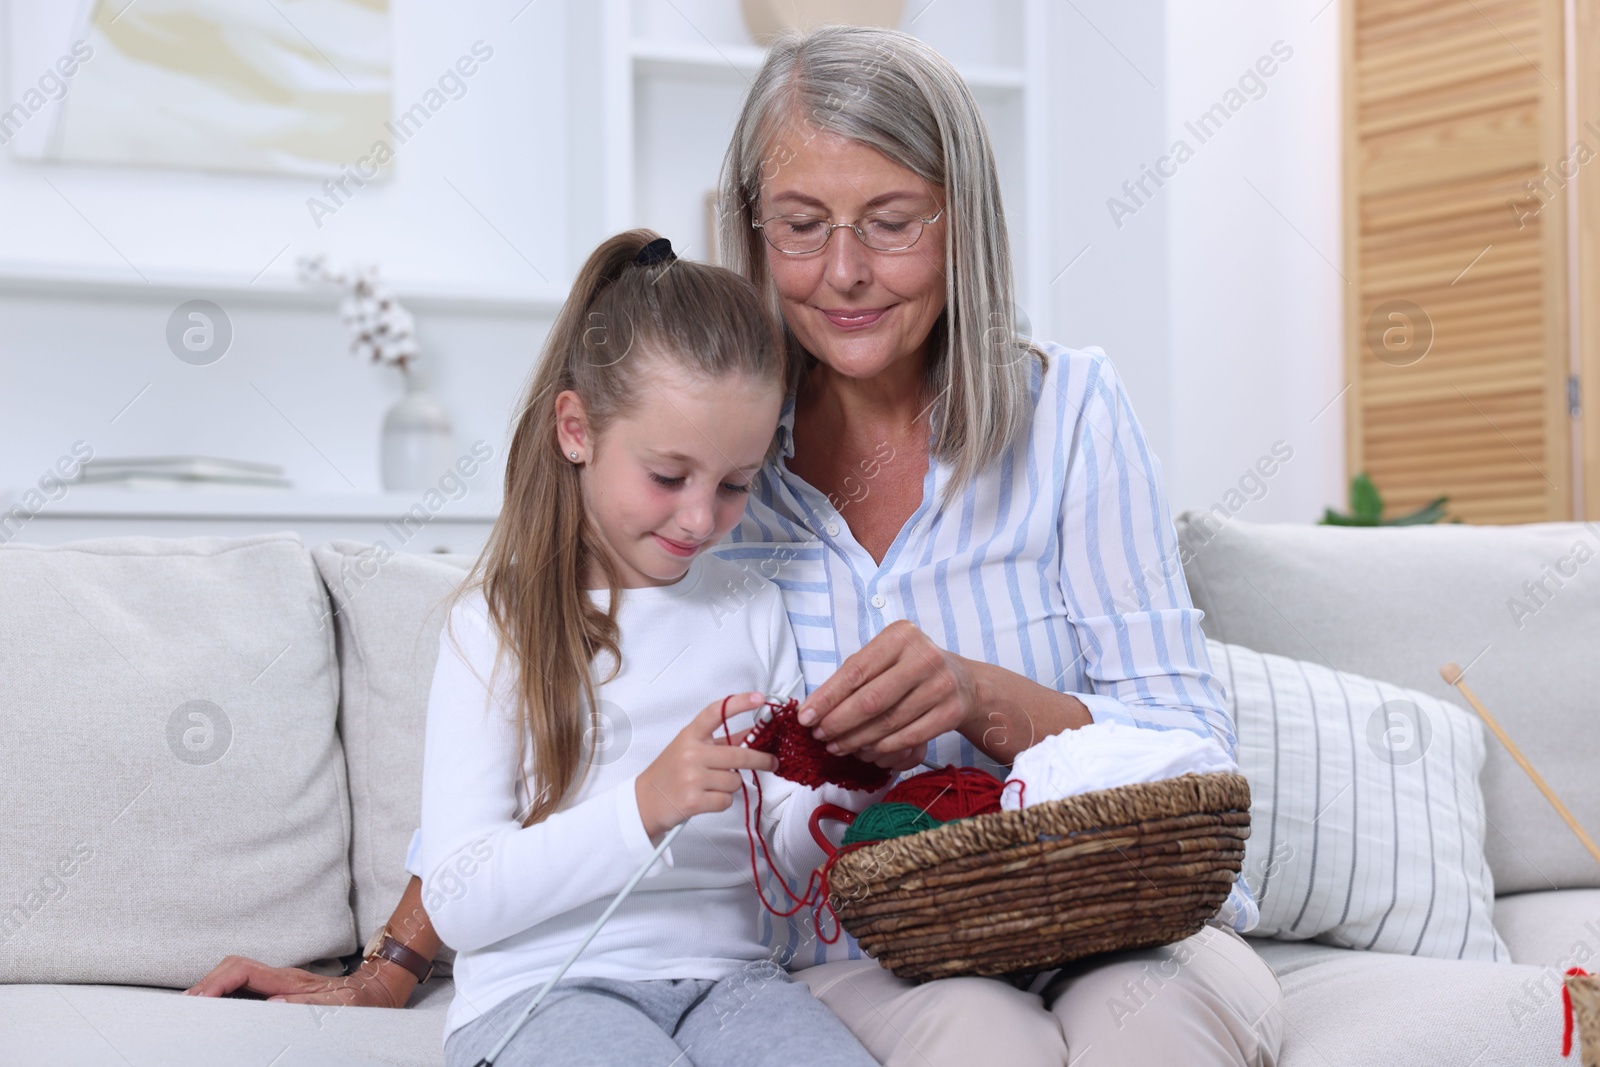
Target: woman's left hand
x,y
898,692
378,983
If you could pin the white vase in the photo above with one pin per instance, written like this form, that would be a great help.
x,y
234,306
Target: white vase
x,y
418,445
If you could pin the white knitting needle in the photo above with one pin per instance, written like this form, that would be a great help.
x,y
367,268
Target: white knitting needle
x,y
763,715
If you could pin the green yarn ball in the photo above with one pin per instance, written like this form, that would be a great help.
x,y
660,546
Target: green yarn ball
x,y
883,821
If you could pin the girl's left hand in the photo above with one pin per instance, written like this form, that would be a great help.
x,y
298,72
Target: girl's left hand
x,y
898,692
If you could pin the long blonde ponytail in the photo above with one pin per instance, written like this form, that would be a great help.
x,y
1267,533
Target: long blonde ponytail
x,y
619,318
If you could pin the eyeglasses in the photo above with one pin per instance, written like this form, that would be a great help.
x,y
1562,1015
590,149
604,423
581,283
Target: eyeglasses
x,y
882,231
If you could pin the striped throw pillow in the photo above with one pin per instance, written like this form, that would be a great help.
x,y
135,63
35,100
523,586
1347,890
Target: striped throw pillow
x,y
1367,821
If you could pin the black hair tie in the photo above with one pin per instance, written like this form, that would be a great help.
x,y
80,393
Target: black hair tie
x,y
657,251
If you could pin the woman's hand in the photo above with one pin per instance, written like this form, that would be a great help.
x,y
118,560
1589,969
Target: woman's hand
x,y
901,691
699,771
892,697
376,984
900,760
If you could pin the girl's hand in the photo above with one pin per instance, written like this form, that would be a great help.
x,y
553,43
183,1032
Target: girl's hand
x,y
698,772
892,697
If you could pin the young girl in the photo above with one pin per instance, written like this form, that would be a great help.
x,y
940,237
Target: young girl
x,y
576,710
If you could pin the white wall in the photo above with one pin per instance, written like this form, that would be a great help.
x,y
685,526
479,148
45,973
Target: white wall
x,y
1255,254
1110,283
1221,318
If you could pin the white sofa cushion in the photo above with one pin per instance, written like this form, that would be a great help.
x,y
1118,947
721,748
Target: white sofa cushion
x,y
1557,929
388,609
97,1026
1365,814
1343,1007
1398,603
172,779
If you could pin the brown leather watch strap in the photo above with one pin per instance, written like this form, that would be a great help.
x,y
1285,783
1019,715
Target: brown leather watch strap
x,y
414,962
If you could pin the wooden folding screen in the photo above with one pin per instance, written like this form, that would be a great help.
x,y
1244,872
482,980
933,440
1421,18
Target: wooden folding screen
x,y
1586,122
1456,254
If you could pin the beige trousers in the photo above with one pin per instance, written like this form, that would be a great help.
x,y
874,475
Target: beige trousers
x,y
1206,1000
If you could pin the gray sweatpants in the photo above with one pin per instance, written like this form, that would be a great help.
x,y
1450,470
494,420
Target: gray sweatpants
x,y
755,1017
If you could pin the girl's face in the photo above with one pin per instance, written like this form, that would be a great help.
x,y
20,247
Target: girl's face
x,y
856,309
669,480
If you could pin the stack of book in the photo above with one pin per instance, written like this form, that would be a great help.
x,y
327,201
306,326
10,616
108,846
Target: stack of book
x,y
182,472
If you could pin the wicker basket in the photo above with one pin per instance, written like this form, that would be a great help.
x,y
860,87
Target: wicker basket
x,y
1584,992
1019,891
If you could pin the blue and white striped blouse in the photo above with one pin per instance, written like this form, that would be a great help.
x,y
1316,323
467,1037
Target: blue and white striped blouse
x,y
1057,562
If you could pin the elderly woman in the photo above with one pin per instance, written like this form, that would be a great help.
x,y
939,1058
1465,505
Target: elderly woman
x,y
970,534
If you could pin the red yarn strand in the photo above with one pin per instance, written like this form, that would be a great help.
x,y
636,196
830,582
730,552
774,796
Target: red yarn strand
x,y
805,760
945,795
1566,1010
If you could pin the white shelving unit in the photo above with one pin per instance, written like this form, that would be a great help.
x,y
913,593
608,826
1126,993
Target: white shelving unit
x,y
653,91
403,521
656,109
38,280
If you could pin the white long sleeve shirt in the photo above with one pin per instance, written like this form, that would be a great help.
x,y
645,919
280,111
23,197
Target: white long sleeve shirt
x,y
514,900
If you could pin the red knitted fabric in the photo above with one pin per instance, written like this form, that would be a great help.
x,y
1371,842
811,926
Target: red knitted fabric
x,y
804,759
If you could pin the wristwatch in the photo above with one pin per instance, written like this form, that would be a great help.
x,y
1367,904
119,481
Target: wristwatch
x,y
384,945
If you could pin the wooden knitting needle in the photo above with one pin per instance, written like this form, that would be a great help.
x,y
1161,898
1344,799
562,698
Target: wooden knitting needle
x,y
1453,675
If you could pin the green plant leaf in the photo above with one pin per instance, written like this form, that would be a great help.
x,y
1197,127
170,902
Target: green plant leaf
x,y
1429,513
1366,507
1365,503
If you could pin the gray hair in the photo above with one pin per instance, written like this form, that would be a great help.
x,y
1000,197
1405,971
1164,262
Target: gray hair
x,y
892,92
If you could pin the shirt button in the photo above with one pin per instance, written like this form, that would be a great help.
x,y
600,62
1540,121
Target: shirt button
x,y
878,601
832,528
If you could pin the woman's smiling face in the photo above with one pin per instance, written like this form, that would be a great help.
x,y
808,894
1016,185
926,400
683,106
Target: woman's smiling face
x,y
858,310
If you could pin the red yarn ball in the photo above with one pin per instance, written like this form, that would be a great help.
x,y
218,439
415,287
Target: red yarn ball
x,y
950,793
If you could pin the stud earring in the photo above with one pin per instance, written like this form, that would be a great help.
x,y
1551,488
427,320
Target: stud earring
x,y
574,456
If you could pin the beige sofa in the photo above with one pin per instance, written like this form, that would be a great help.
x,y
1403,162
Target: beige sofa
x,y
214,746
